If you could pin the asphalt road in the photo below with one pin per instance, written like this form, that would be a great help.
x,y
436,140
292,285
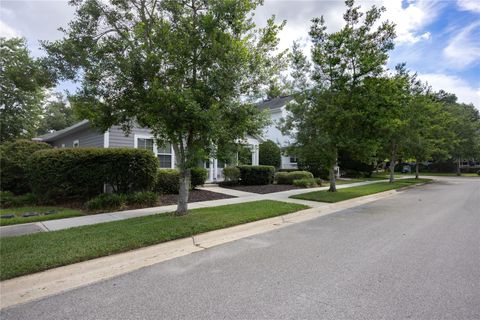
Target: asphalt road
x,y
412,256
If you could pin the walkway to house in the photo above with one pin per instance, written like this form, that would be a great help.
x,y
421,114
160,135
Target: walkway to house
x,y
241,196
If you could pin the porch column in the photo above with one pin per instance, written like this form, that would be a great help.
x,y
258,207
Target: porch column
x,y
215,170
210,169
255,155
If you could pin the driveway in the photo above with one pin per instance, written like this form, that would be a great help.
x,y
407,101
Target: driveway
x,y
412,256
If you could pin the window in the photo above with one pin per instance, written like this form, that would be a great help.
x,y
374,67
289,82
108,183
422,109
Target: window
x,y
293,159
63,145
165,156
147,144
76,144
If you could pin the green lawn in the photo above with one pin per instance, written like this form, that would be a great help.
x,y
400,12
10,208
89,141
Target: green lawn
x,y
447,174
36,252
344,181
354,192
60,213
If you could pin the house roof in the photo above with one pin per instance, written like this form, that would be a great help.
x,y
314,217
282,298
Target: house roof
x,y
274,103
51,136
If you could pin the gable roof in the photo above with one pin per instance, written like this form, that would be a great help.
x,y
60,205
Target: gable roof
x,y
274,103
51,136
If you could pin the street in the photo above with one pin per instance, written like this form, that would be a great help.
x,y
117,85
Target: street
x,y
415,255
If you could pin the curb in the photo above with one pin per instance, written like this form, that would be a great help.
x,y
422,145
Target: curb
x,y
39,285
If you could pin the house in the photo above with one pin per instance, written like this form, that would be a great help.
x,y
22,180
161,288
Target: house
x,y
82,134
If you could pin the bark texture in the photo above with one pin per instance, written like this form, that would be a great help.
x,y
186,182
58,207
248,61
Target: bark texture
x,y
392,163
184,190
333,179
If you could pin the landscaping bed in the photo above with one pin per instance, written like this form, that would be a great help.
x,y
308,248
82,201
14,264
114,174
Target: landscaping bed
x,y
41,251
194,196
354,192
262,189
35,214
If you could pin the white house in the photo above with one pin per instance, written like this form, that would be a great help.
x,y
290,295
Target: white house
x,y
82,134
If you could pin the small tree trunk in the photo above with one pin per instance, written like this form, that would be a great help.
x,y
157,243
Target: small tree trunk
x,y
182,205
333,181
392,164
459,173
416,169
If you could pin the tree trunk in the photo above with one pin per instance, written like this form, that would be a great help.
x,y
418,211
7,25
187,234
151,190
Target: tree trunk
x,y
459,173
333,181
182,205
392,164
416,169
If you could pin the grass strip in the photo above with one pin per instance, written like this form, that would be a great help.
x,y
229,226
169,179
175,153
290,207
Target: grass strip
x,y
41,251
60,214
354,192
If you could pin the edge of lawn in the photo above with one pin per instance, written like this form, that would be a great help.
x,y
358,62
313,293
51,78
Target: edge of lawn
x,y
344,194
27,254
61,214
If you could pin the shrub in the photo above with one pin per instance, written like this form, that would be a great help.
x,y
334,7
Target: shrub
x,y
269,154
167,181
142,198
14,157
8,199
289,177
478,172
198,177
307,182
231,174
82,172
256,175
106,201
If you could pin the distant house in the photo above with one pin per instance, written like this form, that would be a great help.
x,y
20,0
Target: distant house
x,y
82,134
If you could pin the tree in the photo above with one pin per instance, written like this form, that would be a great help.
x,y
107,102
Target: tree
x,y
57,115
270,154
178,68
328,116
23,81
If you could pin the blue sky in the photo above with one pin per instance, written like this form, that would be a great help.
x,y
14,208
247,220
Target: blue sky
x,y
440,40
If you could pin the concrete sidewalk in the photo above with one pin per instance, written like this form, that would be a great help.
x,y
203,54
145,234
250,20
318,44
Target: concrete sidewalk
x,y
241,196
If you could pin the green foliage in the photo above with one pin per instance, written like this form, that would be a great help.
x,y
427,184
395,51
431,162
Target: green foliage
x,y
269,154
256,175
179,70
307,182
57,115
244,155
14,157
168,181
289,177
142,199
23,82
82,172
352,168
106,202
198,176
231,174
9,200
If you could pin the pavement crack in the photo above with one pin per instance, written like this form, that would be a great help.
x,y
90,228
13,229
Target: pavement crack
x,y
196,244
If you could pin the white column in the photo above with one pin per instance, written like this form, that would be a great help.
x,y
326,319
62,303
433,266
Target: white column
x,y
215,170
257,155
210,169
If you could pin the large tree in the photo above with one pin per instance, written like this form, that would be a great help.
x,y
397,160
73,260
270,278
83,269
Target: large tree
x,y
23,81
57,114
332,114
177,67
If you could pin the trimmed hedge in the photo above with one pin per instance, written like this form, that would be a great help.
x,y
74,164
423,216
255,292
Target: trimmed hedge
x,y
256,175
289,177
114,201
198,176
269,154
168,180
81,173
14,157
231,174
308,182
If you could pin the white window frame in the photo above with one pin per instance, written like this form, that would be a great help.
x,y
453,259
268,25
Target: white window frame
x,y
293,156
76,144
63,145
155,147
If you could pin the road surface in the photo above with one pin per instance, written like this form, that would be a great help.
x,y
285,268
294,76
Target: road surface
x,y
415,255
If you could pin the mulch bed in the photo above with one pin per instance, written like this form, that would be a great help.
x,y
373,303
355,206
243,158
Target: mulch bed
x,y
263,189
194,196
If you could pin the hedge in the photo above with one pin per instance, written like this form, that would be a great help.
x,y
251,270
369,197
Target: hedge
x,y
256,175
114,201
231,174
308,182
269,154
168,180
82,172
14,157
289,177
198,176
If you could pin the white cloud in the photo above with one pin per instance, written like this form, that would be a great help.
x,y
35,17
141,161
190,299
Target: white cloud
x,y
7,31
453,84
469,5
464,48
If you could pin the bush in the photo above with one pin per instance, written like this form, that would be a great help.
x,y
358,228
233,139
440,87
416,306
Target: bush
x,y
269,154
168,181
198,177
14,158
106,201
82,172
256,175
478,172
289,177
143,199
231,174
8,199
307,182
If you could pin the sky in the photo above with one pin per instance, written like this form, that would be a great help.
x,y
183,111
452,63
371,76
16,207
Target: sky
x,y
439,40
